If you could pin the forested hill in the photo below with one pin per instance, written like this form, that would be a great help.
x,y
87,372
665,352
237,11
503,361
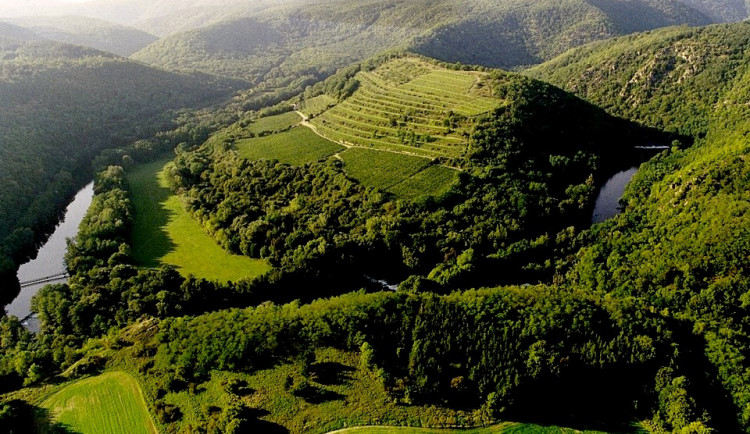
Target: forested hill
x,y
681,246
315,39
89,32
61,105
9,31
725,10
670,78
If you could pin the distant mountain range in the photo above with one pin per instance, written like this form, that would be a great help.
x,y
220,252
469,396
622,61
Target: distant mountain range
x,y
89,32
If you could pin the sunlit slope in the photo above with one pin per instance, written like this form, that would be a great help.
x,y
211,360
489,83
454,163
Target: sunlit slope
x,y
108,403
671,78
410,106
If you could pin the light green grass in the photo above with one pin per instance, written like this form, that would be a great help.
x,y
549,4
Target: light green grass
x,y
297,146
380,169
108,403
406,105
273,124
164,233
432,181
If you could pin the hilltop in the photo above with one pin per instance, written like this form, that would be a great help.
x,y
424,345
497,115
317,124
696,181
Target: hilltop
x,y
89,32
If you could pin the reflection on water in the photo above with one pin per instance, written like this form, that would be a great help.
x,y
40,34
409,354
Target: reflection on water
x,y
49,259
608,201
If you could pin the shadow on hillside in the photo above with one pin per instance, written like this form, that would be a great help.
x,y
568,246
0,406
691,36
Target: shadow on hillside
x,y
150,239
21,417
254,423
332,373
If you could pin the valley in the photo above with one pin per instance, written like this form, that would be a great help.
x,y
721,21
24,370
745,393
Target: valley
x,y
339,216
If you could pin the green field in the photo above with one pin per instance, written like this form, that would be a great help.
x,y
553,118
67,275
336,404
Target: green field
x,y
381,169
297,146
108,403
273,124
409,105
164,233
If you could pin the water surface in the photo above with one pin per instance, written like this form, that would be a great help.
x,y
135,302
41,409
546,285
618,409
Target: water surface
x,y
608,201
49,260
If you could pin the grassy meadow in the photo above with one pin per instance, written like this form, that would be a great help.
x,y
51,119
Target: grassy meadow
x,y
165,234
108,403
297,147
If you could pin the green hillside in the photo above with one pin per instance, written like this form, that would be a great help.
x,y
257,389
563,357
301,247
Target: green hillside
x,y
490,304
514,158
671,79
89,32
9,31
723,10
62,105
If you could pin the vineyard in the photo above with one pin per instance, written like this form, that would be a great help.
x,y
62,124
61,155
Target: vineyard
x,y
389,133
273,124
407,106
296,147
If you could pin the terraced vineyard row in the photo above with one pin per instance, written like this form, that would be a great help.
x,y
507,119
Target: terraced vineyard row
x,y
430,115
315,106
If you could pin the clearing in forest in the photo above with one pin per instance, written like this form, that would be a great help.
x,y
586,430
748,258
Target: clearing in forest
x,y
108,403
165,234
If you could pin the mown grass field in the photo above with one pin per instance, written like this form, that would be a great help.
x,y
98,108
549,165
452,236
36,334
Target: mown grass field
x,y
411,106
273,124
297,146
164,233
109,403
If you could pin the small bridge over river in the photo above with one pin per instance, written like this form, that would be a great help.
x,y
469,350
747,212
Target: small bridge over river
x,y
46,279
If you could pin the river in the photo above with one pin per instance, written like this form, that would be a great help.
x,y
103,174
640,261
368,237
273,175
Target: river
x,y
608,201
49,260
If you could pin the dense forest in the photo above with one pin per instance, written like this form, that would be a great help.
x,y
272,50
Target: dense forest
x,y
509,304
